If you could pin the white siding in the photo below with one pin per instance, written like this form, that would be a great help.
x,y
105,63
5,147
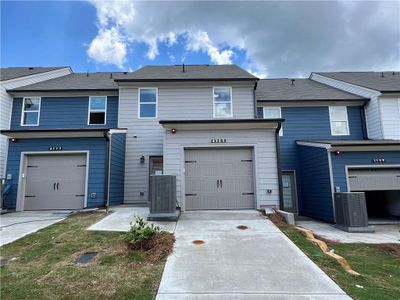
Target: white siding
x,y
265,164
390,111
372,113
174,102
6,104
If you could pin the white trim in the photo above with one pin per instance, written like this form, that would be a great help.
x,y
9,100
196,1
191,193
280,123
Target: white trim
x,y
156,103
331,120
280,115
347,167
213,97
37,111
331,183
118,131
36,74
97,110
22,170
311,144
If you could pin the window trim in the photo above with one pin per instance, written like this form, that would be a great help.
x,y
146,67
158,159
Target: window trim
x,y
38,111
97,110
213,93
156,103
280,116
347,121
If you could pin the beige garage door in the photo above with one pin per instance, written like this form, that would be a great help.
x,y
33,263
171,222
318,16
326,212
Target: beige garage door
x,y
55,182
374,179
219,179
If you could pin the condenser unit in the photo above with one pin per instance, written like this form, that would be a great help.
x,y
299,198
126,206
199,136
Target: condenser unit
x,y
351,212
162,196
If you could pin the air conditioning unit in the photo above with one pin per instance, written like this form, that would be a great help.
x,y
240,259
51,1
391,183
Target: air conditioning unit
x,y
351,212
162,196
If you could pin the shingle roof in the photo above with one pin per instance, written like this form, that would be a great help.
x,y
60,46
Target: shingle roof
x,y
301,89
191,72
390,82
75,81
16,72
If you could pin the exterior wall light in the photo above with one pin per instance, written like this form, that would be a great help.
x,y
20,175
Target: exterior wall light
x,y
337,152
142,159
13,140
173,130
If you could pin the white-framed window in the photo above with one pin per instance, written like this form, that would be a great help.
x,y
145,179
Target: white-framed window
x,y
222,101
338,120
148,98
97,114
30,111
273,112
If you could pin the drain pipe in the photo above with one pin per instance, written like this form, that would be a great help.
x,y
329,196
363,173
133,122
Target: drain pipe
x,y
278,158
363,121
107,136
254,99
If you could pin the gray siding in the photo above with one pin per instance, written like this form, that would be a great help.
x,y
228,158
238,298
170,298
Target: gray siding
x,y
174,102
265,164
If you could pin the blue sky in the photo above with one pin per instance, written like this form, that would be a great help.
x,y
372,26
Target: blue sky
x,y
270,39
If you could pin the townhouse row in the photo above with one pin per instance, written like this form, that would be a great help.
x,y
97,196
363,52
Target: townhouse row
x,y
76,140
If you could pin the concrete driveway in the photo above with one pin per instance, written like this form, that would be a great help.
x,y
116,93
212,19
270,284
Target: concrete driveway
x,y
256,263
14,226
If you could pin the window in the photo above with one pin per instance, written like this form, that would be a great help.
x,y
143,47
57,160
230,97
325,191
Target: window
x,y
30,111
273,113
148,102
222,102
339,122
97,110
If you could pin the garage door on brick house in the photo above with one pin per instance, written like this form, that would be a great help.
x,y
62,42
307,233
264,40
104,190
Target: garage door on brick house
x,y
219,179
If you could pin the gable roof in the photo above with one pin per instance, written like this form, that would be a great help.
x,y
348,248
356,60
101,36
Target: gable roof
x,y
390,82
302,89
101,81
17,72
188,73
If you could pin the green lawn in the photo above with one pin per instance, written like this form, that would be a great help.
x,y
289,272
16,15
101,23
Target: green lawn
x,y
44,267
379,269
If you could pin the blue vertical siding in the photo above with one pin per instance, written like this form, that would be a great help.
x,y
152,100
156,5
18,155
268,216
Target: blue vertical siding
x,y
310,123
65,112
339,163
117,168
316,184
97,163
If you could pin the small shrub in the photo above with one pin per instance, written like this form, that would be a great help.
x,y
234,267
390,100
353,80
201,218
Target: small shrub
x,y
140,232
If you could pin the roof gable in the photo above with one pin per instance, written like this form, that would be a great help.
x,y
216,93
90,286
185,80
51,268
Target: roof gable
x,y
18,72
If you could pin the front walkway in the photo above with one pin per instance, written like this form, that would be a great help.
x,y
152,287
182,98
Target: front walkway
x,y
214,259
16,225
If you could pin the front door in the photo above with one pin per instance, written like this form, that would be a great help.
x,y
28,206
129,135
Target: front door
x,y
289,192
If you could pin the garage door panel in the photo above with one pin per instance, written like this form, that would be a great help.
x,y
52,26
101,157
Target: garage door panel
x,y
219,179
370,179
55,182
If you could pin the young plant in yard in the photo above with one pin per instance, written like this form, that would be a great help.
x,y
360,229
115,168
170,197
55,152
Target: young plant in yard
x,y
140,231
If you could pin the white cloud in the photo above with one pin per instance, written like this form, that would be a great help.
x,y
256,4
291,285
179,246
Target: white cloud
x,y
108,47
277,38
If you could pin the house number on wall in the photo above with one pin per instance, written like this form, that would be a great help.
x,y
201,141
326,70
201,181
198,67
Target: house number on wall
x,y
378,160
57,148
218,141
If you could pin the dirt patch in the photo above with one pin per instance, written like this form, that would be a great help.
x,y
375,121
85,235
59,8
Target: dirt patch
x,y
242,227
157,247
328,241
390,248
198,242
278,220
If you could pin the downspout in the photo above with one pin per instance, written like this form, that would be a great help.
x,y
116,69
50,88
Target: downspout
x,y
107,168
255,100
278,158
363,121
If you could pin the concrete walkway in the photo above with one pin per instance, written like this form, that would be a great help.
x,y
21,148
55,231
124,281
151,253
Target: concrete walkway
x,y
257,263
121,217
383,233
14,226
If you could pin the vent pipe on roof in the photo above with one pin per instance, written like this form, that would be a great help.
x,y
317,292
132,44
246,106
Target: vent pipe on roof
x,y
110,75
382,75
394,73
183,68
87,73
293,80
